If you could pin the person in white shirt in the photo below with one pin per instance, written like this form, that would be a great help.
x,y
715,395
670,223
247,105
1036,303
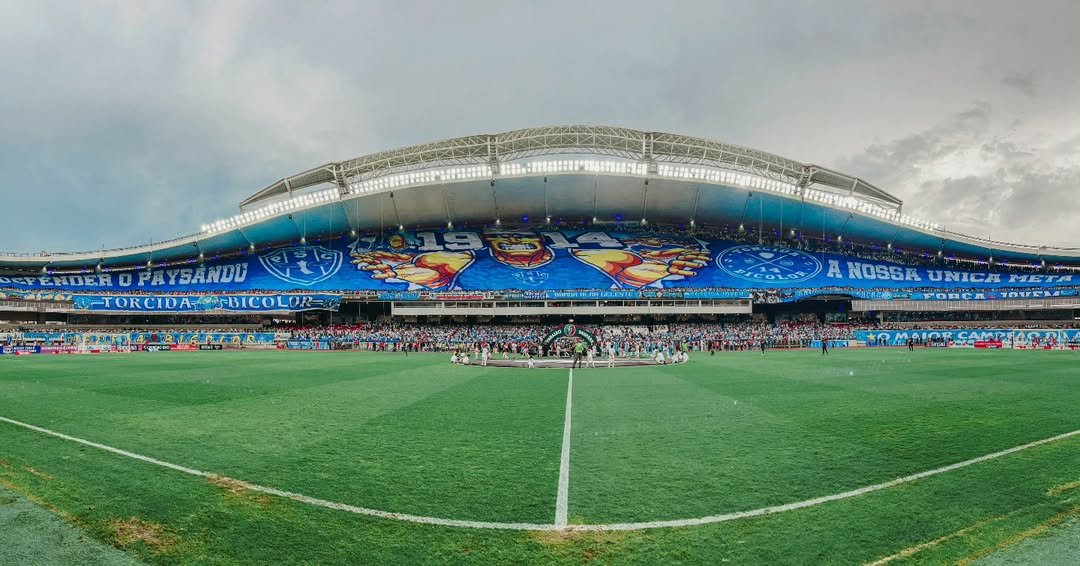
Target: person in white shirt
x,y
454,359
484,355
464,359
611,355
590,357
529,361
660,357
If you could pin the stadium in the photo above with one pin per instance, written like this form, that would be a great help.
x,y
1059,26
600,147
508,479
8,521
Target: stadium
x,y
550,345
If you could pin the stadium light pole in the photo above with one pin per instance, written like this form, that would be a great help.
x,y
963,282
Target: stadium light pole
x,y
495,202
595,180
693,212
840,236
446,207
645,202
547,210
781,232
761,221
742,219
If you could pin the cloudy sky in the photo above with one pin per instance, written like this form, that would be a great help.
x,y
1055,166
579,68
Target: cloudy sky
x,y
122,122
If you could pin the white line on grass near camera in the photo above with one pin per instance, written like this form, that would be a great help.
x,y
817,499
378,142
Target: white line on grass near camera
x,y
553,527
564,461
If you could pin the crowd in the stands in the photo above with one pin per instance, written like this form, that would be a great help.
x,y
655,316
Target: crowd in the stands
x,y
627,339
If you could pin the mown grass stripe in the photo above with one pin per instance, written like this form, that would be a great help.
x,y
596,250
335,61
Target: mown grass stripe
x,y
554,527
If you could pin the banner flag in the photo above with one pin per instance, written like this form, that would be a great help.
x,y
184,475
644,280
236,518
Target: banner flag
x,y
529,264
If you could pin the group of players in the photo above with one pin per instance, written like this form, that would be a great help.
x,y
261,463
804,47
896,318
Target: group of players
x,y
583,356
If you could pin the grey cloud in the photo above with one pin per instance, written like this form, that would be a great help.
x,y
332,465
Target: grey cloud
x,y
1023,82
139,120
991,186
886,163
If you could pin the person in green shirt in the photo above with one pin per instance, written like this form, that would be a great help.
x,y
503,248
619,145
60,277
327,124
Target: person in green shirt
x,y
579,350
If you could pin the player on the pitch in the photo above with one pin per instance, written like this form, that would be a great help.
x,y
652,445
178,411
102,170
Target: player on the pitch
x,y
611,355
590,357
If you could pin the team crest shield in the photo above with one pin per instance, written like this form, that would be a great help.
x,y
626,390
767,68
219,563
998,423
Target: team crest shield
x,y
531,278
768,264
207,303
303,265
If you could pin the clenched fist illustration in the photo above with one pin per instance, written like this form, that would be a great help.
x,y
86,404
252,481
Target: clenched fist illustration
x,y
641,267
431,270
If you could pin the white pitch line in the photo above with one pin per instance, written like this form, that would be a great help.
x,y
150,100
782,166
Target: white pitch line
x,y
817,500
296,496
564,461
552,527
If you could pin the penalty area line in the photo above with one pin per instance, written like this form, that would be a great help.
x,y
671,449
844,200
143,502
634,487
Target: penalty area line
x,y
563,466
563,494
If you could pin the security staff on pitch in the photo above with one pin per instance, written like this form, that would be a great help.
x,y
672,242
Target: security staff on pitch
x,y
579,349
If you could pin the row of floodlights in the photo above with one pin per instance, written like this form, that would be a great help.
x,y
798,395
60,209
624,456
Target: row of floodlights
x,y
421,178
728,177
504,170
272,209
868,208
430,176
772,185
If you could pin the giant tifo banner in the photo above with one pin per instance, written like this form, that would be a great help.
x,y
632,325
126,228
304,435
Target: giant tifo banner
x,y
571,261
969,336
202,303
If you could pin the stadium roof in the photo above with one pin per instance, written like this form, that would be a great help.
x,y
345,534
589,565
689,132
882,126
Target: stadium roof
x,y
562,172
635,145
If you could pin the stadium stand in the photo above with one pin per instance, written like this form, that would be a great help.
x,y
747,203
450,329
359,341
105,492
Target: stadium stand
x,y
722,252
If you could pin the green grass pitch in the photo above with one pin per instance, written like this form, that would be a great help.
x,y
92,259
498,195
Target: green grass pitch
x,y
724,433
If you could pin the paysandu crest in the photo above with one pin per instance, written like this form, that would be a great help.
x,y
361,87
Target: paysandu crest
x,y
303,265
768,264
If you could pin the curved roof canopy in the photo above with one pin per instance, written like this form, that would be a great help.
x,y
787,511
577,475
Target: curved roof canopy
x,y
635,145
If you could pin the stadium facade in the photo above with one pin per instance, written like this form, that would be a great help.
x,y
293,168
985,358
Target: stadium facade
x,y
564,220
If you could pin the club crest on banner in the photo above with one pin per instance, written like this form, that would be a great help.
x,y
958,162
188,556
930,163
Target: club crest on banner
x,y
531,278
207,303
768,264
303,265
